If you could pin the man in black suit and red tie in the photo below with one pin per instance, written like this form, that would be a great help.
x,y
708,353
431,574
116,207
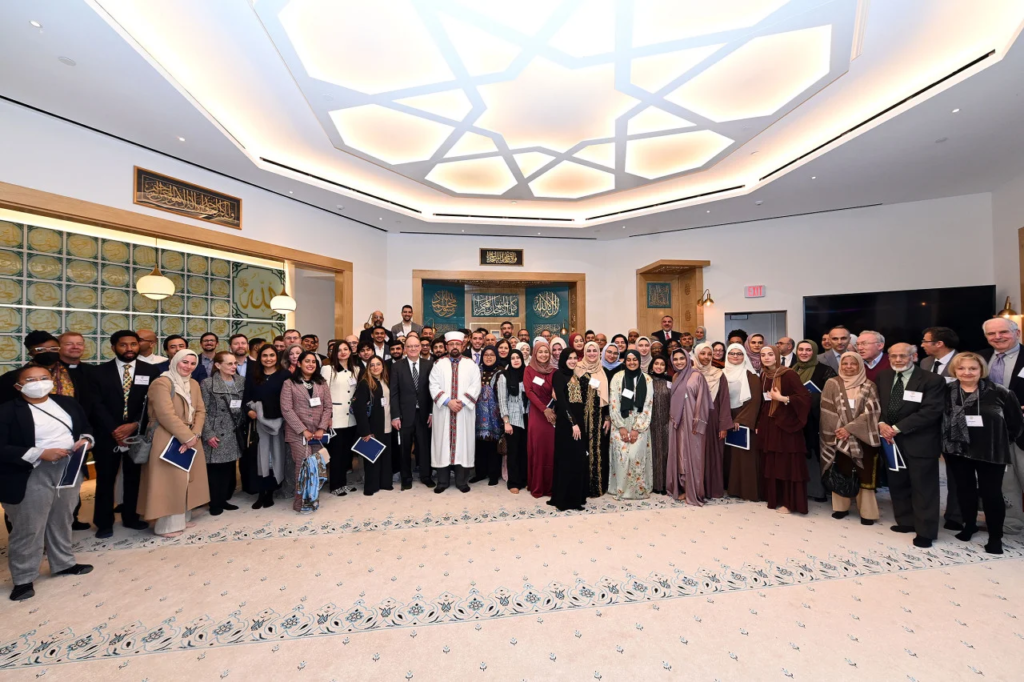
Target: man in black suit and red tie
x,y
665,334
119,388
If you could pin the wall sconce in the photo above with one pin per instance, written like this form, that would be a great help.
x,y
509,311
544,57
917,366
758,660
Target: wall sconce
x,y
1007,312
705,300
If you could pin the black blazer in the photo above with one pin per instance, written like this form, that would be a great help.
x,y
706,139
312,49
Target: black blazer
x,y
1016,382
665,338
366,336
108,394
372,425
920,424
405,396
78,375
18,434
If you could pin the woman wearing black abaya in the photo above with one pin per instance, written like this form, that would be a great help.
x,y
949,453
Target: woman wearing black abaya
x,y
570,481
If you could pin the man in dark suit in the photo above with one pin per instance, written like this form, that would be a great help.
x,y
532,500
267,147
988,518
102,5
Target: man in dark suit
x,y
1006,367
238,344
173,344
665,334
475,350
376,320
940,344
119,388
411,408
911,404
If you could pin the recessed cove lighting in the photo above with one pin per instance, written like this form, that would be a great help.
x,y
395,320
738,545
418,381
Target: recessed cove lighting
x,y
36,23
67,61
957,110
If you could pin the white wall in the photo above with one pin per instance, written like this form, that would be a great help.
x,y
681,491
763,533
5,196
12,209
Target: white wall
x,y
314,297
939,243
1007,219
44,153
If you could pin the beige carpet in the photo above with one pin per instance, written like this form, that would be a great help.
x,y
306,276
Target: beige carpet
x,y
491,586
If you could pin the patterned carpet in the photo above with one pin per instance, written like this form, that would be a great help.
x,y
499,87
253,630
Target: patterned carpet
x,y
491,586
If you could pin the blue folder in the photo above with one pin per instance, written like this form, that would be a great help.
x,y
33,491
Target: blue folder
x,y
370,450
73,468
172,455
738,439
812,387
893,457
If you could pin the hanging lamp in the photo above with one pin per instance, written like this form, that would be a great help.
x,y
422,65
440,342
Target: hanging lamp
x,y
283,303
155,286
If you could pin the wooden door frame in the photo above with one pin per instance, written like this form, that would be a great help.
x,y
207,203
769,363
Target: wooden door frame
x,y
577,282
670,267
37,202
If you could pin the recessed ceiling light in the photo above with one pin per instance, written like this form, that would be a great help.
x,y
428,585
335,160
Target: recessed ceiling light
x,y
623,227
36,23
758,202
340,207
290,192
181,139
67,61
463,230
941,140
814,177
709,210
380,219
956,110
538,233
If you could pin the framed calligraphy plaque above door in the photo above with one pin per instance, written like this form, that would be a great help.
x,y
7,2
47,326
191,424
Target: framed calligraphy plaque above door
x,y
176,196
501,257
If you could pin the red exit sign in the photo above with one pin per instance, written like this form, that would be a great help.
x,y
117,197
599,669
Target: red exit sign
x,y
755,291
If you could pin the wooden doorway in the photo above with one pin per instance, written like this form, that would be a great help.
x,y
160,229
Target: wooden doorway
x,y
670,287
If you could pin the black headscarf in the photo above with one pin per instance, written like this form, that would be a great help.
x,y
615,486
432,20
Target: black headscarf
x,y
563,366
487,371
514,376
633,379
659,375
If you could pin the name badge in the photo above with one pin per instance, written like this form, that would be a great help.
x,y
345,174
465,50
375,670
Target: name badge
x,y
852,402
594,383
913,396
235,404
974,420
538,381
1021,374
351,381
383,402
669,385
314,402
766,396
141,380
628,394
950,380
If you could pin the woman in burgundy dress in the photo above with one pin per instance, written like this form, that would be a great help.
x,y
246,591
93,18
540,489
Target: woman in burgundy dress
x,y
780,434
540,430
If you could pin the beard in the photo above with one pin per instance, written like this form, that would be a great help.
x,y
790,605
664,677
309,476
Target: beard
x,y
127,356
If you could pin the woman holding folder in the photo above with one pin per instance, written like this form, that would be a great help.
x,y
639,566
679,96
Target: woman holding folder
x,y
222,396
177,414
373,420
744,408
38,433
813,375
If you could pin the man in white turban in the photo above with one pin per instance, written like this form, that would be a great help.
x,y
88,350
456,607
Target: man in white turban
x,y
454,388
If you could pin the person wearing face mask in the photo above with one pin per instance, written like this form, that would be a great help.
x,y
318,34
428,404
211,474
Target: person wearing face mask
x,y
44,350
911,403
119,387
37,432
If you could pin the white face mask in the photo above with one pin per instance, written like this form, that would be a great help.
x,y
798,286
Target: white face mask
x,y
37,389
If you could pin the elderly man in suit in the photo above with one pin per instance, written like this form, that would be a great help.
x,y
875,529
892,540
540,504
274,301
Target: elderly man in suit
x,y
939,345
911,404
411,411
839,340
1006,368
406,326
665,334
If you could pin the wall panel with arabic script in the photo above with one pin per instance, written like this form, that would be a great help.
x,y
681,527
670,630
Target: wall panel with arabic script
x,y
505,306
177,196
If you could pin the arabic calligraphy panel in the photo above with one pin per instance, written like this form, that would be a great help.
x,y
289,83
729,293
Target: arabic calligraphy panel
x,y
495,305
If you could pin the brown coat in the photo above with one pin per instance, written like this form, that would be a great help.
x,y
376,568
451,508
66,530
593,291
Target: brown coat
x,y
166,490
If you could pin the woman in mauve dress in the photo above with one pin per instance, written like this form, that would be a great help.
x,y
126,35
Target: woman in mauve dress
x,y
716,469
688,416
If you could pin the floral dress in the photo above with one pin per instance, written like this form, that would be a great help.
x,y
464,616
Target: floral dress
x,y
632,471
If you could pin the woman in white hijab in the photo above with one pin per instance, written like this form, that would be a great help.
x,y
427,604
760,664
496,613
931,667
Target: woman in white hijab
x,y
744,479
168,493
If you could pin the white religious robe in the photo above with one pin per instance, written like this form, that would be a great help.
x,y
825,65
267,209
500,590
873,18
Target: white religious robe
x,y
454,435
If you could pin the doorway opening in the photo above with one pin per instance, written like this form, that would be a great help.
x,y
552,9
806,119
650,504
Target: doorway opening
x,y
770,324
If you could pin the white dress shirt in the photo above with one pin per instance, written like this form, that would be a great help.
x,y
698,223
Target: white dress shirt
x,y
152,359
787,360
120,369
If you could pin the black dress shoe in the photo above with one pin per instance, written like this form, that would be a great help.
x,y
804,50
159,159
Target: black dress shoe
x,y
994,546
104,533
840,515
430,483
477,479
440,489
22,592
230,507
390,487
966,534
406,486
953,525
923,543
258,504
77,569
80,525
901,529
216,512
464,489
867,522
135,525
494,483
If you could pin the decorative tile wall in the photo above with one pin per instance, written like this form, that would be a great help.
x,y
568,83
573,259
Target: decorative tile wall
x,y
62,281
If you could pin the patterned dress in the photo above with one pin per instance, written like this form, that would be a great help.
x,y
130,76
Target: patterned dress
x,y
597,450
632,471
660,428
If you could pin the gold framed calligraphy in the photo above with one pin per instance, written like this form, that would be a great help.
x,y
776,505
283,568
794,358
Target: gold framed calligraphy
x,y
502,257
175,196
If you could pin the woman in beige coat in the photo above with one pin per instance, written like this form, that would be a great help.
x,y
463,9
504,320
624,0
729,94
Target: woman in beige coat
x,y
167,493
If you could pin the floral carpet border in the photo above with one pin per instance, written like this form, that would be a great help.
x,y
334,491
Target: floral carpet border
x,y
106,641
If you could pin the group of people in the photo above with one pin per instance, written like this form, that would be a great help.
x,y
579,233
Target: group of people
x,y
568,420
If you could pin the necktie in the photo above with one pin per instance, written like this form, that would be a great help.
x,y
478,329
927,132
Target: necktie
x,y
998,369
783,360
416,374
895,400
126,384
936,366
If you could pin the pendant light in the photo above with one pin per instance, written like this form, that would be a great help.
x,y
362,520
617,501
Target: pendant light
x,y
1007,311
155,286
283,303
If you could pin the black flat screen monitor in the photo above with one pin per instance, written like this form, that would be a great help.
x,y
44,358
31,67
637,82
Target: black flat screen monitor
x,y
903,315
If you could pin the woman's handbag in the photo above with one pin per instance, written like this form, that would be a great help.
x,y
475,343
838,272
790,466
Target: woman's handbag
x,y
141,443
839,483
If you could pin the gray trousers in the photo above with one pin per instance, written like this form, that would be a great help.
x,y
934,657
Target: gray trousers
x,y
42,519
1013,482
444,475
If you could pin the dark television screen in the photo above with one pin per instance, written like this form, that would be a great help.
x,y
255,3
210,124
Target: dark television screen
x,y
903,315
